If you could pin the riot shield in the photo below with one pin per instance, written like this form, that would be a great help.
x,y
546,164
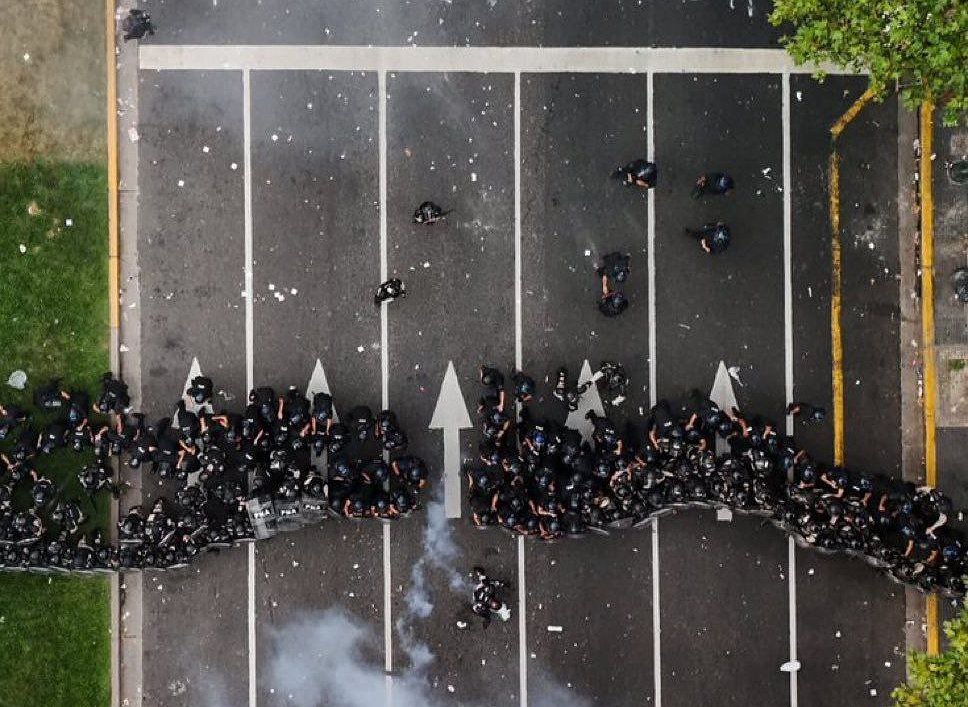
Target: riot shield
x,y
289,515
262,517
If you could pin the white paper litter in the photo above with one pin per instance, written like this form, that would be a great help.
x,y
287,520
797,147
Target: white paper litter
x,y
17,380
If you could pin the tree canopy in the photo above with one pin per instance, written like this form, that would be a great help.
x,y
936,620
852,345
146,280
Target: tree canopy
x,y
939,680
919,46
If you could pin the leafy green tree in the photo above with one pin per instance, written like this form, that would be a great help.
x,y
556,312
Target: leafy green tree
x,y
919,46
939,680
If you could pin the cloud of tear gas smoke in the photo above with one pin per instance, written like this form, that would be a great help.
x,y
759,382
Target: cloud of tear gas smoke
x,y
319,660
439,553
214,691
544,692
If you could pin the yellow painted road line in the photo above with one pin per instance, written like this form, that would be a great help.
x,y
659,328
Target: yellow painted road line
x,y
836,332
114,248
851,113
933,612
836,280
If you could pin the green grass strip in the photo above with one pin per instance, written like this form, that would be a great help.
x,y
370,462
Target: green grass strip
x,y
54,631
55,648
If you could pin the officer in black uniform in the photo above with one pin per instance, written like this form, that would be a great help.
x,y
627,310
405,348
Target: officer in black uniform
x,y
114,395
136,24
714,238
487,597
807,413
716,183
612,302
639,173
615,265
389,290
428,213
201,390
524,386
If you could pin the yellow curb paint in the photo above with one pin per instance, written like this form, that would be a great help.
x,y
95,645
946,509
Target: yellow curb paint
x,y
932,618
836,280
933,612
114,249
927,295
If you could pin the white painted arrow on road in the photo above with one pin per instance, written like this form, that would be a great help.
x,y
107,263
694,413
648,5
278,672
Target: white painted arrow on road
x,y
319,384
591,400
722,394
450,415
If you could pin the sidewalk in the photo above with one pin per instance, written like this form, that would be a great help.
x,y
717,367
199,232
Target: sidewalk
x,y
951,323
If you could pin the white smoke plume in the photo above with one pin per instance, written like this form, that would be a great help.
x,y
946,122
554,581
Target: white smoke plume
x,y
320,660
323,659
545,692
441,553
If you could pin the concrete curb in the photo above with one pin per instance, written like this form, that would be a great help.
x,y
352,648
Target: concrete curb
x,y
912,438
126,350
110,51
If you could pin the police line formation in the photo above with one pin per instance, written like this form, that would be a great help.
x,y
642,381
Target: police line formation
x,y
286,461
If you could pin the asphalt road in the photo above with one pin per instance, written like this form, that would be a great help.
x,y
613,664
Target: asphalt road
x,y
628,23
723,586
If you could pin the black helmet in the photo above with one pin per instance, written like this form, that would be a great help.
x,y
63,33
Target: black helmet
x,y
381,472
426,212
417,473
723,183
951,553
646,171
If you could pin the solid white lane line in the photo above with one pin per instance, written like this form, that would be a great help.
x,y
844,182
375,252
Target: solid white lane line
x,y
787,251
475,59
518,352
656,624
253,700
247,166
653,392
792,599
384,267
788,355
385,369
518,363
650,243
249,346
387,594
522,627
